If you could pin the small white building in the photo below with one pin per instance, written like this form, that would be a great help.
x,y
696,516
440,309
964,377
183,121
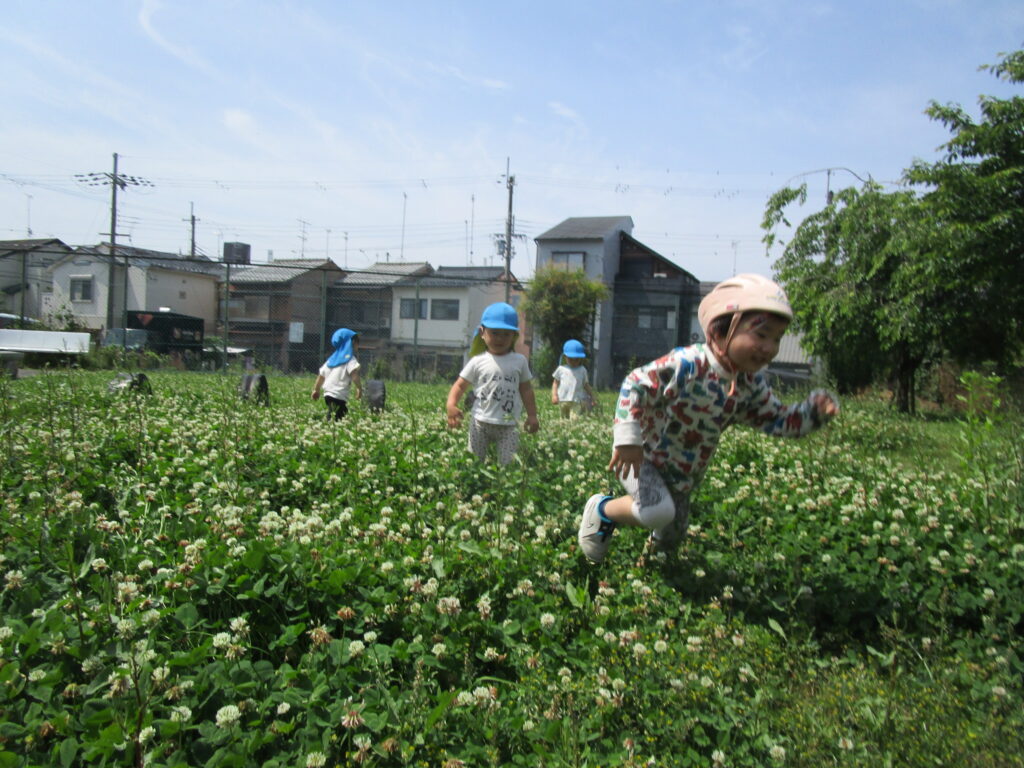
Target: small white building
x,y
26,283
91,285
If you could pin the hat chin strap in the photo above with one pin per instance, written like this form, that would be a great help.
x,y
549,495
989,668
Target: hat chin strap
x,y
722,355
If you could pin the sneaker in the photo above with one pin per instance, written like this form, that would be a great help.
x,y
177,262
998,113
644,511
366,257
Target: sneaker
x,y
595,534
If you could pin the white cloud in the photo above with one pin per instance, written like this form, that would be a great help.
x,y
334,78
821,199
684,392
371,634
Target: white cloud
x,y
187,56
562,110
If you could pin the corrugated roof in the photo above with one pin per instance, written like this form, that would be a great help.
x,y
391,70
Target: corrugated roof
x,y
281,271
143,257
457,277
587,228
384,274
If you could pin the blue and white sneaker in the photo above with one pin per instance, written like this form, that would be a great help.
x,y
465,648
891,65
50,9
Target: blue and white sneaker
x,y
595,533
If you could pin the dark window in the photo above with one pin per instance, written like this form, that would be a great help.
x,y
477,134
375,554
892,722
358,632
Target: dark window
x,y
568,260
81,289
647,318
407,309
444,309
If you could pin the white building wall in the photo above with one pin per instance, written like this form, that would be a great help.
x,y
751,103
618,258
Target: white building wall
x,y
91,314
441,333
184,293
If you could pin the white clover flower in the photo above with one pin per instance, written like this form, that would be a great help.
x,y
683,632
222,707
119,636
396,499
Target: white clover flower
x,y
283,707
718,757
36,675
14,579
356,647
777,753
5,633
547,620
146,734
464,699
240,626
449,606
98,564
639,649
222,640
660,646
845,743
228,716
439,650
316,760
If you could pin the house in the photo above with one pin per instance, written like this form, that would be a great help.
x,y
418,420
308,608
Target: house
x,y
362,300
278,311
26,284
92,285
435,316
651,305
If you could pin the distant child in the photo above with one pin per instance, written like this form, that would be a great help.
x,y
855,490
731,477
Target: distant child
x,y
570,387
671,413
339,373
500,379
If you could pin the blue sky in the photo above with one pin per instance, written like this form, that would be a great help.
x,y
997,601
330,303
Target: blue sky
x,y
380,130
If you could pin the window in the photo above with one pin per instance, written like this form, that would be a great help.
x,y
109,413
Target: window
x,y
648,318
444,309
407,309
568,260
81,288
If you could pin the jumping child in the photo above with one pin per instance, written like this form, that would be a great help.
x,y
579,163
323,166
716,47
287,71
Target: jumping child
x,y
671,413
339,373
570,387
500,378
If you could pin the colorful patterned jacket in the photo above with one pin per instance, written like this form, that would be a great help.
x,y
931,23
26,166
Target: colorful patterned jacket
x,y
677,407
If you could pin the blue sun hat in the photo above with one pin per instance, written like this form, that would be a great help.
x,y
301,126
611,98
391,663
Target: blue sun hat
x,y
573,348
341,340
499,316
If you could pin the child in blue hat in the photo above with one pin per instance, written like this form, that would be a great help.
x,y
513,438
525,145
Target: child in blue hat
x,y
339,374
500,378
570,387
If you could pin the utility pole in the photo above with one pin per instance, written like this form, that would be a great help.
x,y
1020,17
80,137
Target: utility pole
x,y
302,238
192,220
115,180
401,251
510,182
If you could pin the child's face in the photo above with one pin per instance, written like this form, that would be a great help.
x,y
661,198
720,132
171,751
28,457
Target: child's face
x,y
498,340
756,341
575,362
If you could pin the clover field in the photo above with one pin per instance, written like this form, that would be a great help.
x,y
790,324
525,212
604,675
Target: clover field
x,y
190,580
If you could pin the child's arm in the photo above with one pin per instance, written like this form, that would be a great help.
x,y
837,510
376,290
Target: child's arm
x,y
554,392
316,387
459,388
530,404
774,418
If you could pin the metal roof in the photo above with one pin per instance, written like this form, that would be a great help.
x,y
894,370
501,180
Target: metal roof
x,y
384,274
144,258
457,277
281,271
587,228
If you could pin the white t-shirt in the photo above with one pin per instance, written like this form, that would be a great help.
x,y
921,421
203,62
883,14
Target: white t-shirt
x,y
496,380
338,381
570,383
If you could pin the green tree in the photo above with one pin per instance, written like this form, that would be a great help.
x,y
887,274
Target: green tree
x,y
851,272
976,196
561,304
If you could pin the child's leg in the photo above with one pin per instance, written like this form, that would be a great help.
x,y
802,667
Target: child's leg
x,y
477,439
668,538
506,443
648,502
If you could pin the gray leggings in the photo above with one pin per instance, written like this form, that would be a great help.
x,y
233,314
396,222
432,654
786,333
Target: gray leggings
x,y
657,508
504,436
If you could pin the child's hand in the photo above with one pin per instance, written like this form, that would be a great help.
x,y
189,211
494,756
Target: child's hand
x,y
454,417
825,405
315,394
531,425
554,399
626,459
